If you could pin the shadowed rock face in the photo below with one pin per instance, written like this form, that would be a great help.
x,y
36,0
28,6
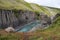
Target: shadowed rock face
x,y
45,20
57,15
15,18
7,18
54,17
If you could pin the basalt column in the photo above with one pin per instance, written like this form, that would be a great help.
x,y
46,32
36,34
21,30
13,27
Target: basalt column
x,y
8,18
0,18
3,18
7,12
13,19
21,17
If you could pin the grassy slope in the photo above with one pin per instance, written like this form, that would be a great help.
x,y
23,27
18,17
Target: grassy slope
x,y
21,4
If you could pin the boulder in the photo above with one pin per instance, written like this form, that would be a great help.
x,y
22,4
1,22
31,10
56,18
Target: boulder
x,y
10,29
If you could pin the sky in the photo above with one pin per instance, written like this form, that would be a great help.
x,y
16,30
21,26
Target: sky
x,y
50,3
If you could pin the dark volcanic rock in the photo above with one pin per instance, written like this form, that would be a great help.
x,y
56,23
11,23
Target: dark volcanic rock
x,y
45,20
15,17
57,15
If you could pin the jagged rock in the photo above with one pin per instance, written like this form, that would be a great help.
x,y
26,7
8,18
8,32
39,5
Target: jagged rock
x,y
15,18
27,16
45,20
57,15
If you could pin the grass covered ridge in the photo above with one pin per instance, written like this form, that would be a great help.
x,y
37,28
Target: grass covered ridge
x,y
22,5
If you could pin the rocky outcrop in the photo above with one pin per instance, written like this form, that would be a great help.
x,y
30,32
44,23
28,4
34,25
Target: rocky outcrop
x,y
7,18
10,29
45,20
15,18
57,15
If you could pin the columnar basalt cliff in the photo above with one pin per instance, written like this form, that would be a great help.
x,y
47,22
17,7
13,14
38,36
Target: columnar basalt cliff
x,y
15,18
17,13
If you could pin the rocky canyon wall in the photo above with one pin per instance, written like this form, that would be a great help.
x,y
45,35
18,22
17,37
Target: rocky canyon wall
x,y
15,18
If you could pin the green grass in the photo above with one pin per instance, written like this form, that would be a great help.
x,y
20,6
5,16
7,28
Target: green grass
x,y
22,5
10,36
